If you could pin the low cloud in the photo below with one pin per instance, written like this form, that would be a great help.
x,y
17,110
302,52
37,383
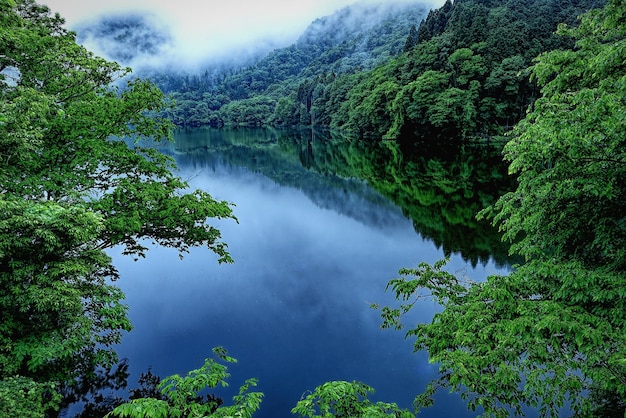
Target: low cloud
x,y
196,31
209,28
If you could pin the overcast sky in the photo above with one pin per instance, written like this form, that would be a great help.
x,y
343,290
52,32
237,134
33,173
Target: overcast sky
x,y
213,26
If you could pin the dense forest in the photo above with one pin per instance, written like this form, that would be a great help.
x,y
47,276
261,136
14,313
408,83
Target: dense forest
x,y
550,335
277,90
461,70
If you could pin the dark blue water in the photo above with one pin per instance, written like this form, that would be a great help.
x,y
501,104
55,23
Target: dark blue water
x,y
294,308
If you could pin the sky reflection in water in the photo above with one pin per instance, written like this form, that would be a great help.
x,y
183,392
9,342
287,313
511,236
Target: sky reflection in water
x,y
294,307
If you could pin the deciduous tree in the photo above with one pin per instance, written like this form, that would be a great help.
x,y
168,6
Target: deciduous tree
x,y
71,186
553,331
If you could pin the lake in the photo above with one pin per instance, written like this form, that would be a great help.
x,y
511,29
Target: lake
x,y
323,224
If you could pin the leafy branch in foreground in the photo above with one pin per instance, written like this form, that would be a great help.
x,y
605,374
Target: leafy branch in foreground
x,y
180,396
499,345
345,399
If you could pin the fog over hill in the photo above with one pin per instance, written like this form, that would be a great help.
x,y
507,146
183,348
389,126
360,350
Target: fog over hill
x,y
146,43
356,19
128,38
145,39
209,28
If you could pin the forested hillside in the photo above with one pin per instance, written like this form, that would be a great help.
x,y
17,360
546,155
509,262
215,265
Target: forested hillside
x,y
466,75
460,72
278,89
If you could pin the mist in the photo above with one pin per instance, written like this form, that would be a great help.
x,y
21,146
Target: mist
x,y
188,34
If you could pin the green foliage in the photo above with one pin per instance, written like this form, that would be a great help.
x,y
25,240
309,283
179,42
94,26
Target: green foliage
x,y
566,216
345,399
69,189
412,39
362,79
368,110
465,77
180,396
59,314
353,79
569,153
551,333
296,85
22,397
501,347
76,161
255,111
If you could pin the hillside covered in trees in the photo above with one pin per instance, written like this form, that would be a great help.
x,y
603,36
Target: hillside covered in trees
x,y
457,71
277,89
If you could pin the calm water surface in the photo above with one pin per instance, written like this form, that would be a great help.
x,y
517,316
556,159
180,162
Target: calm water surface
x,y
312,251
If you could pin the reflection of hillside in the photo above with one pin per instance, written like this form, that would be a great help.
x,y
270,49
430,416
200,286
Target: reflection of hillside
x,y
259,151
440,194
